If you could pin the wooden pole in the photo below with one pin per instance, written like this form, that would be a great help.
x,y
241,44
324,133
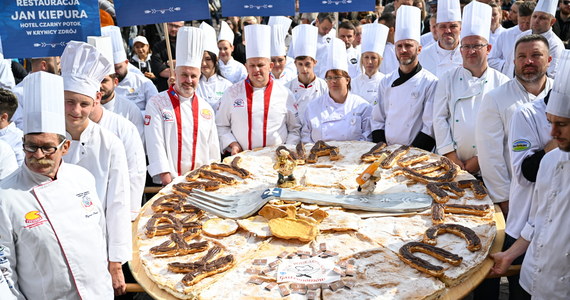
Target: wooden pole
x,y
168,51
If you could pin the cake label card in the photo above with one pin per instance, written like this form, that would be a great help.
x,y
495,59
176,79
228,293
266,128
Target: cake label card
x,y
307,271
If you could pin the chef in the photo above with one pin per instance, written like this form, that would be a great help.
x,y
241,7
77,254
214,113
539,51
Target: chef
x,y
404,112
444,55
283,69
132,85
306,86
212,85
52,224
230,68
258,111
545,269
497,108
541,23
125,131
326,32
97,149
372,47
180,130
460,91
8,162
337,115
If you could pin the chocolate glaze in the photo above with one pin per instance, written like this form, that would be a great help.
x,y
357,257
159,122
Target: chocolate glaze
x,y
394,156
473,241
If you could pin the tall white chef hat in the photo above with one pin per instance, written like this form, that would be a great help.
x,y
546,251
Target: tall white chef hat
x,y
278,34
476,20
547,6
408,23
189,47
44,111
374,38
114,32
448,11
280,20
226,33
83,68
337,56
258,39
304,40
103,45
210,42
559,101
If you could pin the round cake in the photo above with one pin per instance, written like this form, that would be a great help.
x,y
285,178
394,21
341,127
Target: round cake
x,y
307,251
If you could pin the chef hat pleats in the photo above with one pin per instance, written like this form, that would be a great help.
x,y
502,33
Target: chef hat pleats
x,y
226,33
104,45
258,41
476,20
338,59
547,6
374,38
278,34
210,42
189,47
448,11
304,40
559,101
408,23
114,32
44,111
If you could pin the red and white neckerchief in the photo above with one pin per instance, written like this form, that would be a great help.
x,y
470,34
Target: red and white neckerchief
x,y
266,100
176,105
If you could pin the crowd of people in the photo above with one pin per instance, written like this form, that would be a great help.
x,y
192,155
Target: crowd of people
x,y
448,76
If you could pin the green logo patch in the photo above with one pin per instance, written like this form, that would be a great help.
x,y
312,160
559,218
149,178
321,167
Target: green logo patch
x,y
521,145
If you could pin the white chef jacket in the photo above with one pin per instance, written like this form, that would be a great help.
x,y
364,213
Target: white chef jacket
x,y
17,117
438,60
330,121
367,87
7,291
102,153
6,76
286,76
322,67
211,89
455,107
53,232
304,94
405,110
389,61
502,48
13,136
127,109
545,270
233,71
282,125
137,89
8,162
161,132
494,35
134,151
427,39
492,132
529,133
556,46
353,60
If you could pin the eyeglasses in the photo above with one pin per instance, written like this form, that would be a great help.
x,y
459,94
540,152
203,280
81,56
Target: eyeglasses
x,y
334,78
47,150
566,2
475,47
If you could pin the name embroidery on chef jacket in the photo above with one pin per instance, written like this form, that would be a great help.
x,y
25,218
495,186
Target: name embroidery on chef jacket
x,y
33,219
85,199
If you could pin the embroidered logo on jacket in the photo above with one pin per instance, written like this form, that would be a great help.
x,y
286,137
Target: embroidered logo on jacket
x,y
167,116
238,103
33,219
146,120
521,145
206,114
87,204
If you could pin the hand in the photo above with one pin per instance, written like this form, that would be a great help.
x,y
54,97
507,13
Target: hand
x,y
165,178
235,148
118,278
149,75
171,81
502,263
472,165
551,145
453,157
505,208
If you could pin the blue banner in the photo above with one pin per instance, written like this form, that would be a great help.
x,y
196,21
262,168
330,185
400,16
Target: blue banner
x,y
239,8
316,6
142,12
40,28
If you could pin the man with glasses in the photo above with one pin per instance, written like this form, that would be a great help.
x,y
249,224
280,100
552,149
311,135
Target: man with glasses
x,y
460,92
444,55
159,59
52,224
404,111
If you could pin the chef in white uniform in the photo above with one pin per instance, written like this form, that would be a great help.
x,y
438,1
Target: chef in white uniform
x,y
326,32
545,269
280,72
405,103
230,68
505,42
212,84
338,115
52,225
541,23
389,61
460,91
180,130
133,86
372,47
125,131
444,55
97,149
9,133
8,162
306,86
258,111
497,108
